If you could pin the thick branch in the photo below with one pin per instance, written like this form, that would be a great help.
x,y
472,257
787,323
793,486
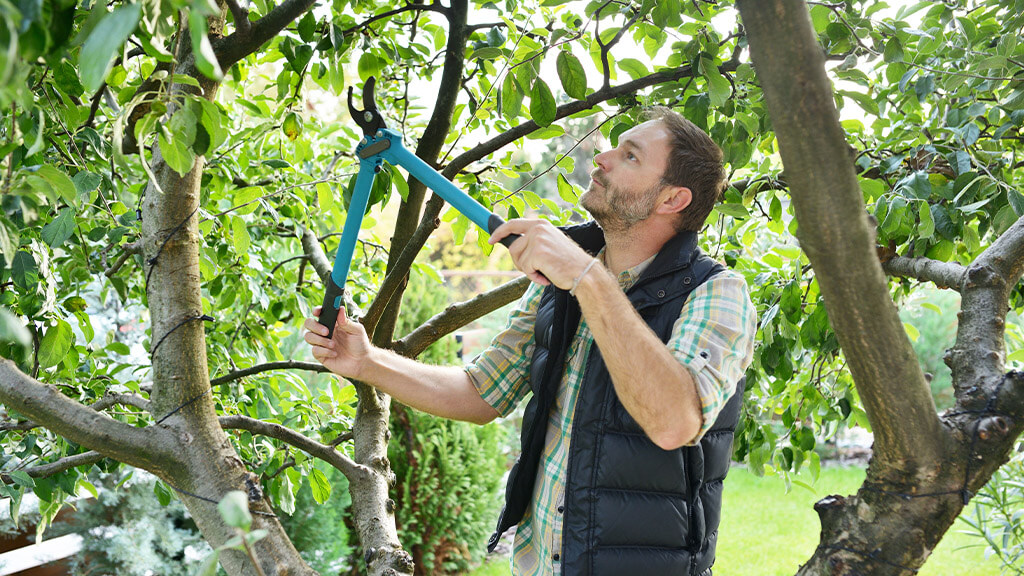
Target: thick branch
x,y
58,466
381,325
458,315
147,448
942,274
329,454
1006,254
102,404
245,41
268,367
311,248
835,235
240,14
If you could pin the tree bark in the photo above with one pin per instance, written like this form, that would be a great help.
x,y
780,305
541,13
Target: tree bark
x,y
181,400
924,469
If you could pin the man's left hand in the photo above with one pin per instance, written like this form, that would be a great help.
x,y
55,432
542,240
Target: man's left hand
x,y
544,253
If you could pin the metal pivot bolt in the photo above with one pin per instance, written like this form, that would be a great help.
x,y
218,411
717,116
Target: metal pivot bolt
x,y
368,116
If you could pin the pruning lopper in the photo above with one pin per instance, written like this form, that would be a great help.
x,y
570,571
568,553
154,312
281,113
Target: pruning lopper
x,y
377,146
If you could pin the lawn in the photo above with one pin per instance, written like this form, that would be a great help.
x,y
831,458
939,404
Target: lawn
x,y
766,528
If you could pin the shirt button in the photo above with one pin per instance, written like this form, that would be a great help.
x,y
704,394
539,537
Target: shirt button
x,y
661,293
555,557
561,509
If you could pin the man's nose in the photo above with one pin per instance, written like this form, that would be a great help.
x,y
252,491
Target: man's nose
x,y
602,160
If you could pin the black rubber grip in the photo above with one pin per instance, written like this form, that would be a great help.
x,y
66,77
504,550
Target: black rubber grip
x,y
332,304
492,224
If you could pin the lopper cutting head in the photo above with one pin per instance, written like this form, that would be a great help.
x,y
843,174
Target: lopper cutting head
x,y
369,119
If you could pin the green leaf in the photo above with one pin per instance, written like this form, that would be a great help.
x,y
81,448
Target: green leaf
x,y
307,27
320,486
55,344
21,478
12,329
565,190
234,509
1016,200
893,51
209,565
103,43
927,226
60,229
324,196
24,271
542,103
486,53
368,66
511,98
86,182
177,154
206,60
59,182
718,86
911,331
163,493
1016,356
572,75
240,236
633,67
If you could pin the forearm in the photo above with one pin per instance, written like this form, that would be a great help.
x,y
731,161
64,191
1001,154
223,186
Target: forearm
x,y
656,390
444,391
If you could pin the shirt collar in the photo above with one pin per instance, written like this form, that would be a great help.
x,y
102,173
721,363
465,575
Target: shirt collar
x,y
628,277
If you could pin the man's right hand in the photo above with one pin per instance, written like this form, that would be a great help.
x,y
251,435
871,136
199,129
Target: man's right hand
x,y
347,353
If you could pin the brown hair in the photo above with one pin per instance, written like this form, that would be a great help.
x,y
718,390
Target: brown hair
x,y
694,162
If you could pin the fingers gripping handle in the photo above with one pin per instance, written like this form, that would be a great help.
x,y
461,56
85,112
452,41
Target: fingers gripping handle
x,y
332,304
492,224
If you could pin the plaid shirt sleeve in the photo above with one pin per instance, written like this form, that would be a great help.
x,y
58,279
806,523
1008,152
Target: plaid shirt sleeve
x,y
501,373
714,339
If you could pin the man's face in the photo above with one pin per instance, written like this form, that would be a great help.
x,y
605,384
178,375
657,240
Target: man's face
x,y
625,185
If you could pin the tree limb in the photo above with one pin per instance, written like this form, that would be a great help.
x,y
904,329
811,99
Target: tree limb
x,y
311,248
458,315
107,401
267,367
976,359
942,274
240,14
328,454
835,235
432,7
147,448
58,466
245,41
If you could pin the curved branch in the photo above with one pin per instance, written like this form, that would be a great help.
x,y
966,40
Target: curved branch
x,y
247,39
58,466
268,367
942,274
102,404
344,464
148,448
432,7
458,315
311,248
835,235
976,359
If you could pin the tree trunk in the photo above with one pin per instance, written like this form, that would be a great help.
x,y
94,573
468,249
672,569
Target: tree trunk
x,y
181,400
924,469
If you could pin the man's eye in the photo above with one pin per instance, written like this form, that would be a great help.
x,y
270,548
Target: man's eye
x,y
630,156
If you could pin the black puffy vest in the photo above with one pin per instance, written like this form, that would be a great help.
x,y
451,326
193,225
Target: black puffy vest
x,y
630,507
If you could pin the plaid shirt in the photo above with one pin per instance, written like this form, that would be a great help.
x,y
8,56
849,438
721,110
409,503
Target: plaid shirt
x,y
713,338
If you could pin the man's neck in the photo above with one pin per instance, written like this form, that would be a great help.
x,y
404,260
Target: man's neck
x,y
627,248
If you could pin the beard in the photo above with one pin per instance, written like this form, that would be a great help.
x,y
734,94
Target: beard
x,y
616,208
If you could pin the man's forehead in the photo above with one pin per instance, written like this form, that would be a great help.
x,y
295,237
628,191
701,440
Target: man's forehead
x,y
646,137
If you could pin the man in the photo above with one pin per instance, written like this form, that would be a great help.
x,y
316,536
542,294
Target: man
x,y
632,343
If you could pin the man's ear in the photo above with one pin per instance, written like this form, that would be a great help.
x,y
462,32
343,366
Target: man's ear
x,y
674,199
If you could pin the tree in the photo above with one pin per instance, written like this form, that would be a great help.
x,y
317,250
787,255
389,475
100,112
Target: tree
x,y
180,157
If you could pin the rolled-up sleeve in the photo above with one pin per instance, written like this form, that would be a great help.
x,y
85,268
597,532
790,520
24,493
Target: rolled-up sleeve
x,y
714,339
501,372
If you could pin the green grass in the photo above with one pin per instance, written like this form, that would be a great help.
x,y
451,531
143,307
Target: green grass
x,y
767,532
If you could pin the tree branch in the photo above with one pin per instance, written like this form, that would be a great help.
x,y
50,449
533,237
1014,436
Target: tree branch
x,y
107,401
58,466
432,7
311,248
942,274
245,41
240,14
976,359
267,367
458,315
328,454
147,448
835,235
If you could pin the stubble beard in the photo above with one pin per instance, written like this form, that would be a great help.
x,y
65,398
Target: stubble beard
x,y
615,209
